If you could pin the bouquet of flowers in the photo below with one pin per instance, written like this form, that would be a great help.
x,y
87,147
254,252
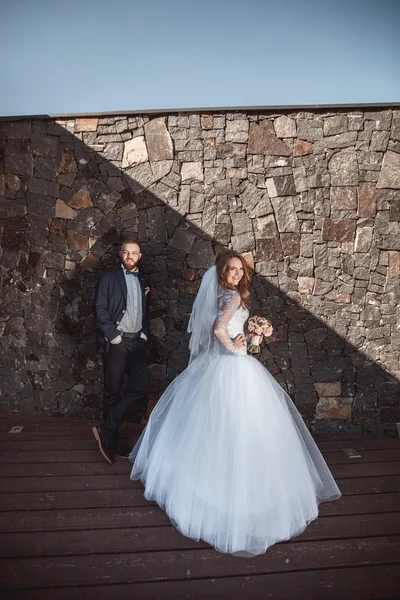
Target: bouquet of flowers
x,y
261,328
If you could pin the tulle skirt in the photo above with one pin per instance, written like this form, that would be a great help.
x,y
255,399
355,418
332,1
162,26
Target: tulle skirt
x,y
228,457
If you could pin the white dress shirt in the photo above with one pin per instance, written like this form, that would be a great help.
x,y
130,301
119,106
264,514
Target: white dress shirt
x,y
131,322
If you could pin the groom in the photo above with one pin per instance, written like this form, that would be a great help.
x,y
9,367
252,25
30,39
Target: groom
x,y
121,307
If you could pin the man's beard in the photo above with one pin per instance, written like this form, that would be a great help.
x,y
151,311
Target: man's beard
x,y
130,265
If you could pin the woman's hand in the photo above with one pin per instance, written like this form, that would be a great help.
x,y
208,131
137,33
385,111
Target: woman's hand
x,y
239,341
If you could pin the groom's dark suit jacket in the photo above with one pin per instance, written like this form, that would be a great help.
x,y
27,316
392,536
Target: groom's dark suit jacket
x,y
110,304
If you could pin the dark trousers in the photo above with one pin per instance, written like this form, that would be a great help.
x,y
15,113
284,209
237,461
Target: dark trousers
x,y
129,356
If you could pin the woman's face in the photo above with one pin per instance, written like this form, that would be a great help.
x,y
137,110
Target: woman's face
x,y
234,271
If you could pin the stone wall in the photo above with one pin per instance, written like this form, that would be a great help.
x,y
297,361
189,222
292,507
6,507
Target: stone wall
x,y
311,198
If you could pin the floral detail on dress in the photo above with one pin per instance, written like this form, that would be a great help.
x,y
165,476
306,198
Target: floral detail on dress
x,y
228,303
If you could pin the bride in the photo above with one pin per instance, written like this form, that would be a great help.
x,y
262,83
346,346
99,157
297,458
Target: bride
x,y
225,452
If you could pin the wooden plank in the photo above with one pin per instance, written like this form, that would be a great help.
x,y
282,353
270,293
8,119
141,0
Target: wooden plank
x,y
81,518
331,437
345,471
150,539
40,419
58,436
54,437
202,563
130,496
63,425
61,422
150,514
60,426
70,483
28,418
17,444
92,454
362,504
37,422
102,482
352,526
70,456
87,451
364,443
33,417
57,425
369,485
367,456
359,485
98,541
353,469
83,434
54,425
83,468
88,443
375,582
49,421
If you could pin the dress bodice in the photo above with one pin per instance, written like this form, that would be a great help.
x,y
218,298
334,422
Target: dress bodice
x,y
236,324
230,320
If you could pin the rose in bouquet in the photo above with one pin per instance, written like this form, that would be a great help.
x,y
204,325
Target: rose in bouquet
x,y
260,328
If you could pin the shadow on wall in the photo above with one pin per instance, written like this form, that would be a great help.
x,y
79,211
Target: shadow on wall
x,y
73,189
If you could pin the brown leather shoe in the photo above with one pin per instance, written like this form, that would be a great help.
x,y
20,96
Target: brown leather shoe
x,y
105,445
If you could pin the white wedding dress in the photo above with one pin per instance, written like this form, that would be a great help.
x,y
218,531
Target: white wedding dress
x,y
225,452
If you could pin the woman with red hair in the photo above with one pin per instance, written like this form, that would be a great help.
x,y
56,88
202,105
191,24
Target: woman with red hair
x,y
225,452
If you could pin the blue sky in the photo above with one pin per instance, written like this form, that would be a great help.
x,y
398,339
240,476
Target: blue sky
x,y
78,56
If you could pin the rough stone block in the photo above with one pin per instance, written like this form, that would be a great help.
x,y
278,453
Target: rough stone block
x,y
338,230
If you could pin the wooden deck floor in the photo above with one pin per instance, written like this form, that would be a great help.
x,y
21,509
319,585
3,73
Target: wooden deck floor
x,y
72,526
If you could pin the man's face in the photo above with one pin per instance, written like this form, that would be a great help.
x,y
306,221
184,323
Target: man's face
x,y
130,255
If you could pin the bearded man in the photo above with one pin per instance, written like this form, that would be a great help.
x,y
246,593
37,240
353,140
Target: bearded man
x,y
121,308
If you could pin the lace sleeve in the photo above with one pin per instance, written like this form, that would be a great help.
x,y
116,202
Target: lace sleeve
x,y
228,303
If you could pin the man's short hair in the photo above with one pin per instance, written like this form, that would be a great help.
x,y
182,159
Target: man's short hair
x,y
130,241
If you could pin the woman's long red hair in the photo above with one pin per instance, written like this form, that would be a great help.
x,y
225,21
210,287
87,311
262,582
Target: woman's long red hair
x,y
221,264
